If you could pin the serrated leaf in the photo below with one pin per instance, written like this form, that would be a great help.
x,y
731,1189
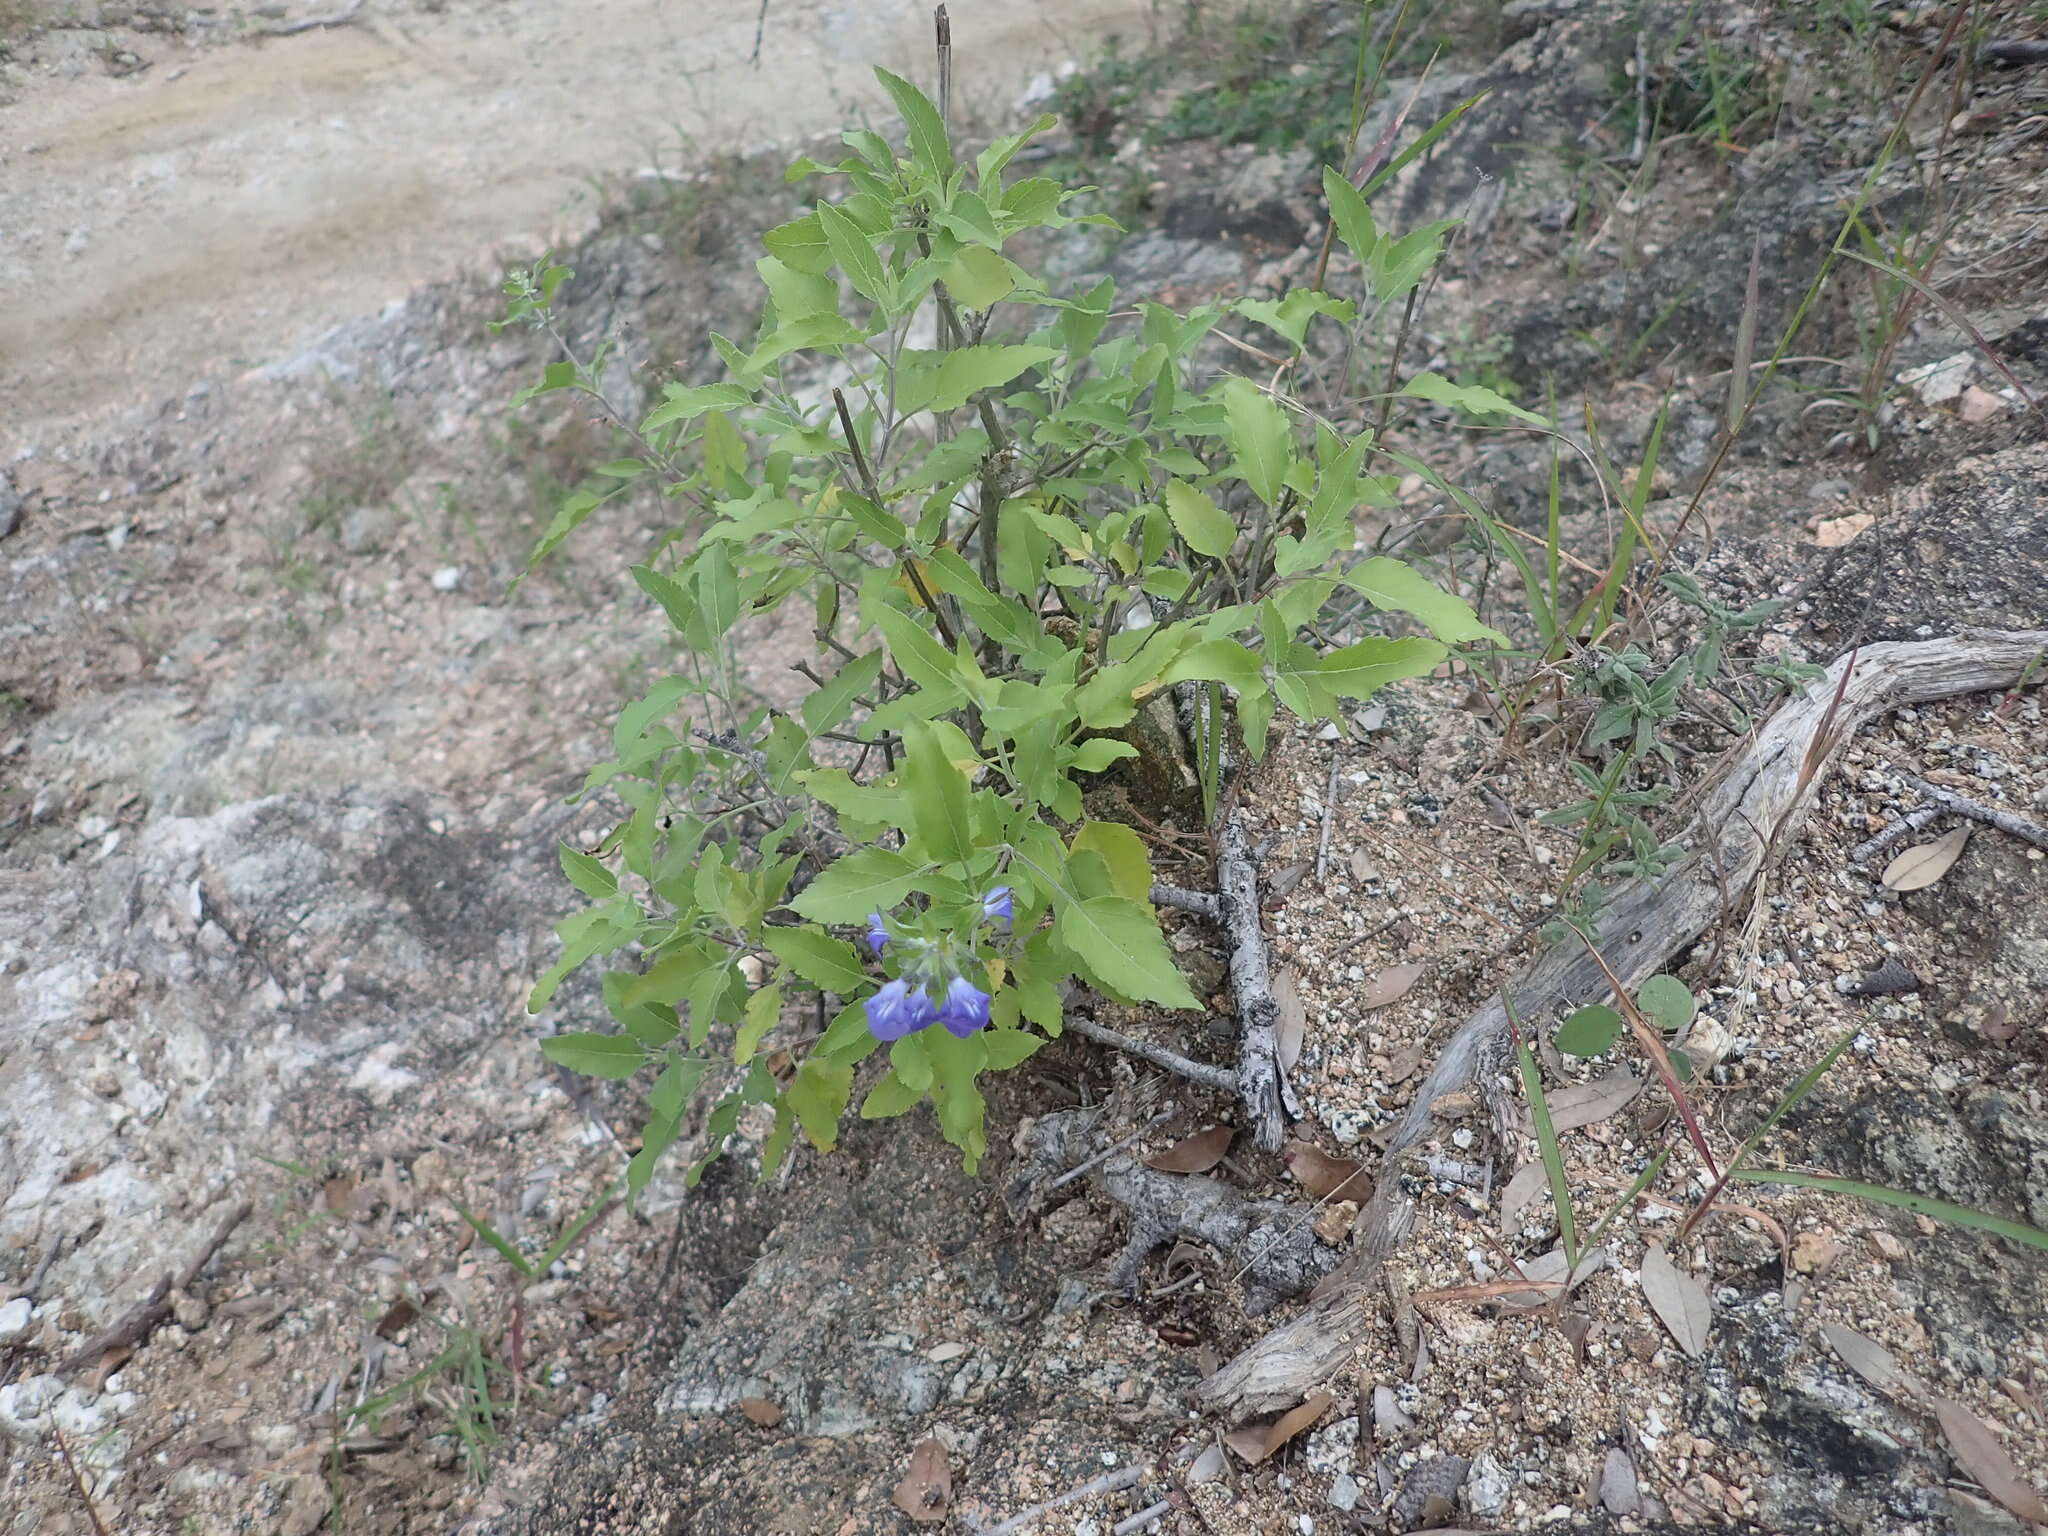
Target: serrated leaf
x,y
827,963
889,1098
818,1098
929,150
969,370
1204,526
1120,943
1352,216
587,874
1123,852
764,1009
1008,1047
612,1056
1098,752
979,277
854,254
1679,1300
1395,586
801,244
1259,436
1475,399
1361,670
1920,866
849,888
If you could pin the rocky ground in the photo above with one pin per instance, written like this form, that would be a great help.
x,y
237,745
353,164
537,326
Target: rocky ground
x,y
283,767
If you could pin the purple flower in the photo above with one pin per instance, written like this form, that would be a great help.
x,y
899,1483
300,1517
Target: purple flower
x,y
878,936
896,1010
965,1009
998,907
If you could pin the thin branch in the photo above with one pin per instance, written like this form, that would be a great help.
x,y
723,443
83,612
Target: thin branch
x,y
1218,1078
1251,979
1201,903
143,1320
1110,1482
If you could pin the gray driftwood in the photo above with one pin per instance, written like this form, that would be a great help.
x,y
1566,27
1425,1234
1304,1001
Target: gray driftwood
x,y
1752,811
1251,981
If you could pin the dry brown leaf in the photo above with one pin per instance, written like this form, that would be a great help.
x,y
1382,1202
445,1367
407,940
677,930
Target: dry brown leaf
x,y
1528,1181
1924,863
1834,532
1585,1104
1679,1301
1290,1023
1872,1361
1362,868
1205,1468
1256,1442
1324,1176
762,1411
1194,1154
1391,985
1404,1064
396,1319
1978,1453
926,1492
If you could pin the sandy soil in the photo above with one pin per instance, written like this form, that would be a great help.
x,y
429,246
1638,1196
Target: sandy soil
x,y
235,194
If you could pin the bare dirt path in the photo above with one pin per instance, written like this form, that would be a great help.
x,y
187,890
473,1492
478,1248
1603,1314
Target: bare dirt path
x,y
238,193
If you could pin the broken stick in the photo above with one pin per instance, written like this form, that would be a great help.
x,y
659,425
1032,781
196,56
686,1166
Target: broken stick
x,y
1251,980
1756,804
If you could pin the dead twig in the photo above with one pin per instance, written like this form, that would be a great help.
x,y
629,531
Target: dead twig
x,y
85,1497
1111,1150
311,23
1201,903
1218,1078
1329,820
1251,979
1110,1482
1768,786
141,1322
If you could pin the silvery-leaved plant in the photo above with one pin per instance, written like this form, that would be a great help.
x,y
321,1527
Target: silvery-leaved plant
x,y
1012,519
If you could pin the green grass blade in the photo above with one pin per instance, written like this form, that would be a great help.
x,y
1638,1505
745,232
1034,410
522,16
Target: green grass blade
x,y
1546,1140
567,1240
1920,1205
489,1234
1643,1181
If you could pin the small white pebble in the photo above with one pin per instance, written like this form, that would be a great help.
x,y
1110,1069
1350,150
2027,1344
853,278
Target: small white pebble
x,y
447,578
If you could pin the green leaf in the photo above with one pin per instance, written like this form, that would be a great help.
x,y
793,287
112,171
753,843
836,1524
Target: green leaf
x,y
1669,1001
1589,1031
818,1098
1472,398
1007,1047
1123,851
967,371
1940,1210
1353,218
1215,661
929,150
1098,752
827,963
854,254
764,1009
796,294
613,1056
1392,585
1206,527
938,794
990,162
1358,671
801,244
1259,436
1400,265
849,888
588,875
979,277
1121,945
680,403
574,510
889,1098
920,656
908,1060
828,707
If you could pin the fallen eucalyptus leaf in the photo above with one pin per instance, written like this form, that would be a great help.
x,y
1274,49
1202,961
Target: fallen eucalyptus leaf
x,y
1207,1467
1256,1442
1326,1177
1680,1302
1527,1183
762,1411
1872,1361
926,1492
1194,1154
1924,863
1589,1103
1978,1453
1391,985
1291,1022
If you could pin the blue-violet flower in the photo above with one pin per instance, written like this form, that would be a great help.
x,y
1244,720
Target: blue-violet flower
x,y
878,936
998,906
965,1009
898,1010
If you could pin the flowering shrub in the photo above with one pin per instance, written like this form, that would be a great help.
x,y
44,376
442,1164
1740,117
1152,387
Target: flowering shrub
x,y
1008,544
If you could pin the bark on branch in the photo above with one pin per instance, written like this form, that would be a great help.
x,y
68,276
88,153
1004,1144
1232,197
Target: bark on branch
x,y
1753,810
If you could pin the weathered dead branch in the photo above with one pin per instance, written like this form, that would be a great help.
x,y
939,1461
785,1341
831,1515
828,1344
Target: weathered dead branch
x,y
1251,981
1754,808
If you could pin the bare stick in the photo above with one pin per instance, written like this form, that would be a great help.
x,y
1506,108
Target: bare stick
x,y
85,1497
942,26
311,23
1110,1482
1895,834
1201,903
2013,826
1329,820
140,1323
1218,1078
1139,1521
760,26
1110,1151
1769,785
1251,978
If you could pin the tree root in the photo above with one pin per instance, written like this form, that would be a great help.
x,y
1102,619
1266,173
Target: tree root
x,y
1749,813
